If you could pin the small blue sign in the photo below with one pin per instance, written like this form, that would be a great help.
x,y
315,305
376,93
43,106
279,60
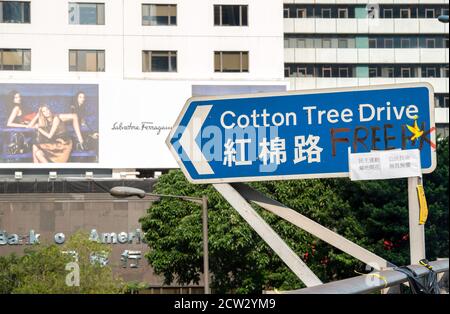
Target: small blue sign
x,y
301,134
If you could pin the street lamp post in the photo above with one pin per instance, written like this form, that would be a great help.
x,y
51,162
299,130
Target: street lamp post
x,y
124,192
443,18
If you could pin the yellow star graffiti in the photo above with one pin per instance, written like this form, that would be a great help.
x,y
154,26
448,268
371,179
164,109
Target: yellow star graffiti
x,y
415,130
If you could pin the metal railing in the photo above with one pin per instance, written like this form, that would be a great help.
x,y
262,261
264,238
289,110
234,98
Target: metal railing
x,y
371,282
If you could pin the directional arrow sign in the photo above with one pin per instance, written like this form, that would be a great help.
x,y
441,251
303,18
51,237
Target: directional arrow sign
x,y
301,134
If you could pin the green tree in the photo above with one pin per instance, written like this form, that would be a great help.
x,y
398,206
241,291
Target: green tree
x,y
42,269
373,214
240,261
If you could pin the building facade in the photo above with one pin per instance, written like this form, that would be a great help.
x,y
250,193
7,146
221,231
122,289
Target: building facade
x,y
150,55
341,43
139,51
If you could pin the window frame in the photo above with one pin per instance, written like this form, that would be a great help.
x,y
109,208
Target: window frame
x,y
403,10
345,69
339,10
97,51
2,21
430,10
405,69
169,17
169,58
240,15
103,4
242,70
322,10
302,68
328,68
391,11
428,40
305,15
25,67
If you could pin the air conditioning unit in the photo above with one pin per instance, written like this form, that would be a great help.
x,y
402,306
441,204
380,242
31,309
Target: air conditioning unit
x,y
89,175
52,175
18,175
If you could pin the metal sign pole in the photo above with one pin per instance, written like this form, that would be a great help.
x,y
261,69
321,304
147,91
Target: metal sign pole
x,y
263,229
416,231
205,244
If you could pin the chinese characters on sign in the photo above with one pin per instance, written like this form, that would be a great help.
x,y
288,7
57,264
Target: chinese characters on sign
x,y
385,165
298,135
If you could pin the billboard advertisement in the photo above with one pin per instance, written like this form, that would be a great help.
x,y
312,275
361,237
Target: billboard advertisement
x,y
49,123
97,124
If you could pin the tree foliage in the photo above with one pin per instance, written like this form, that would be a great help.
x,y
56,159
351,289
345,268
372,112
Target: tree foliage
x,y
42,269
373,214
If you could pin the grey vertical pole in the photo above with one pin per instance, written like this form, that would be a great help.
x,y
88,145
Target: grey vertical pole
x,y
416,231
205,244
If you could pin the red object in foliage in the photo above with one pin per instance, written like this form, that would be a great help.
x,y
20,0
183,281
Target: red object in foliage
x,y
405,237
388,245
305,256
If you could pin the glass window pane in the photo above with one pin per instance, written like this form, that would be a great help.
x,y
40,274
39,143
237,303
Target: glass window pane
x,y
14,12
101,14
231,61
91,61
244,14
217,15
12,57
245,60
230,15
100,61
88,13
217,62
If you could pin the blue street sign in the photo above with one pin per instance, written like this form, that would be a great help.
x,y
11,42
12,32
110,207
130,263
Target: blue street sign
x,y
301,134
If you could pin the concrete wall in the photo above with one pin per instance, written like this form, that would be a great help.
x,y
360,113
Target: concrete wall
x,y
48,214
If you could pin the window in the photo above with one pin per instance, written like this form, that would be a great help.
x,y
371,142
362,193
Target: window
x,y
286,13
373,72
343,13
326,43
301,43
159,14
445,71
87,13
405,13
429,13
343,72
326,13
442,129
389,43
430,43
446,101
387,72
388,13
430,72
14,12
302,72
230,15
301,13
326,72
342,43
15,59
159,61
405,43
446,45
87,60
405,72
231,61
287,72
372,43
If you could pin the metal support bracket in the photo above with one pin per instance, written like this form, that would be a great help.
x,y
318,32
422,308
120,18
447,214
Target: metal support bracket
x,y
263,229
312,227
